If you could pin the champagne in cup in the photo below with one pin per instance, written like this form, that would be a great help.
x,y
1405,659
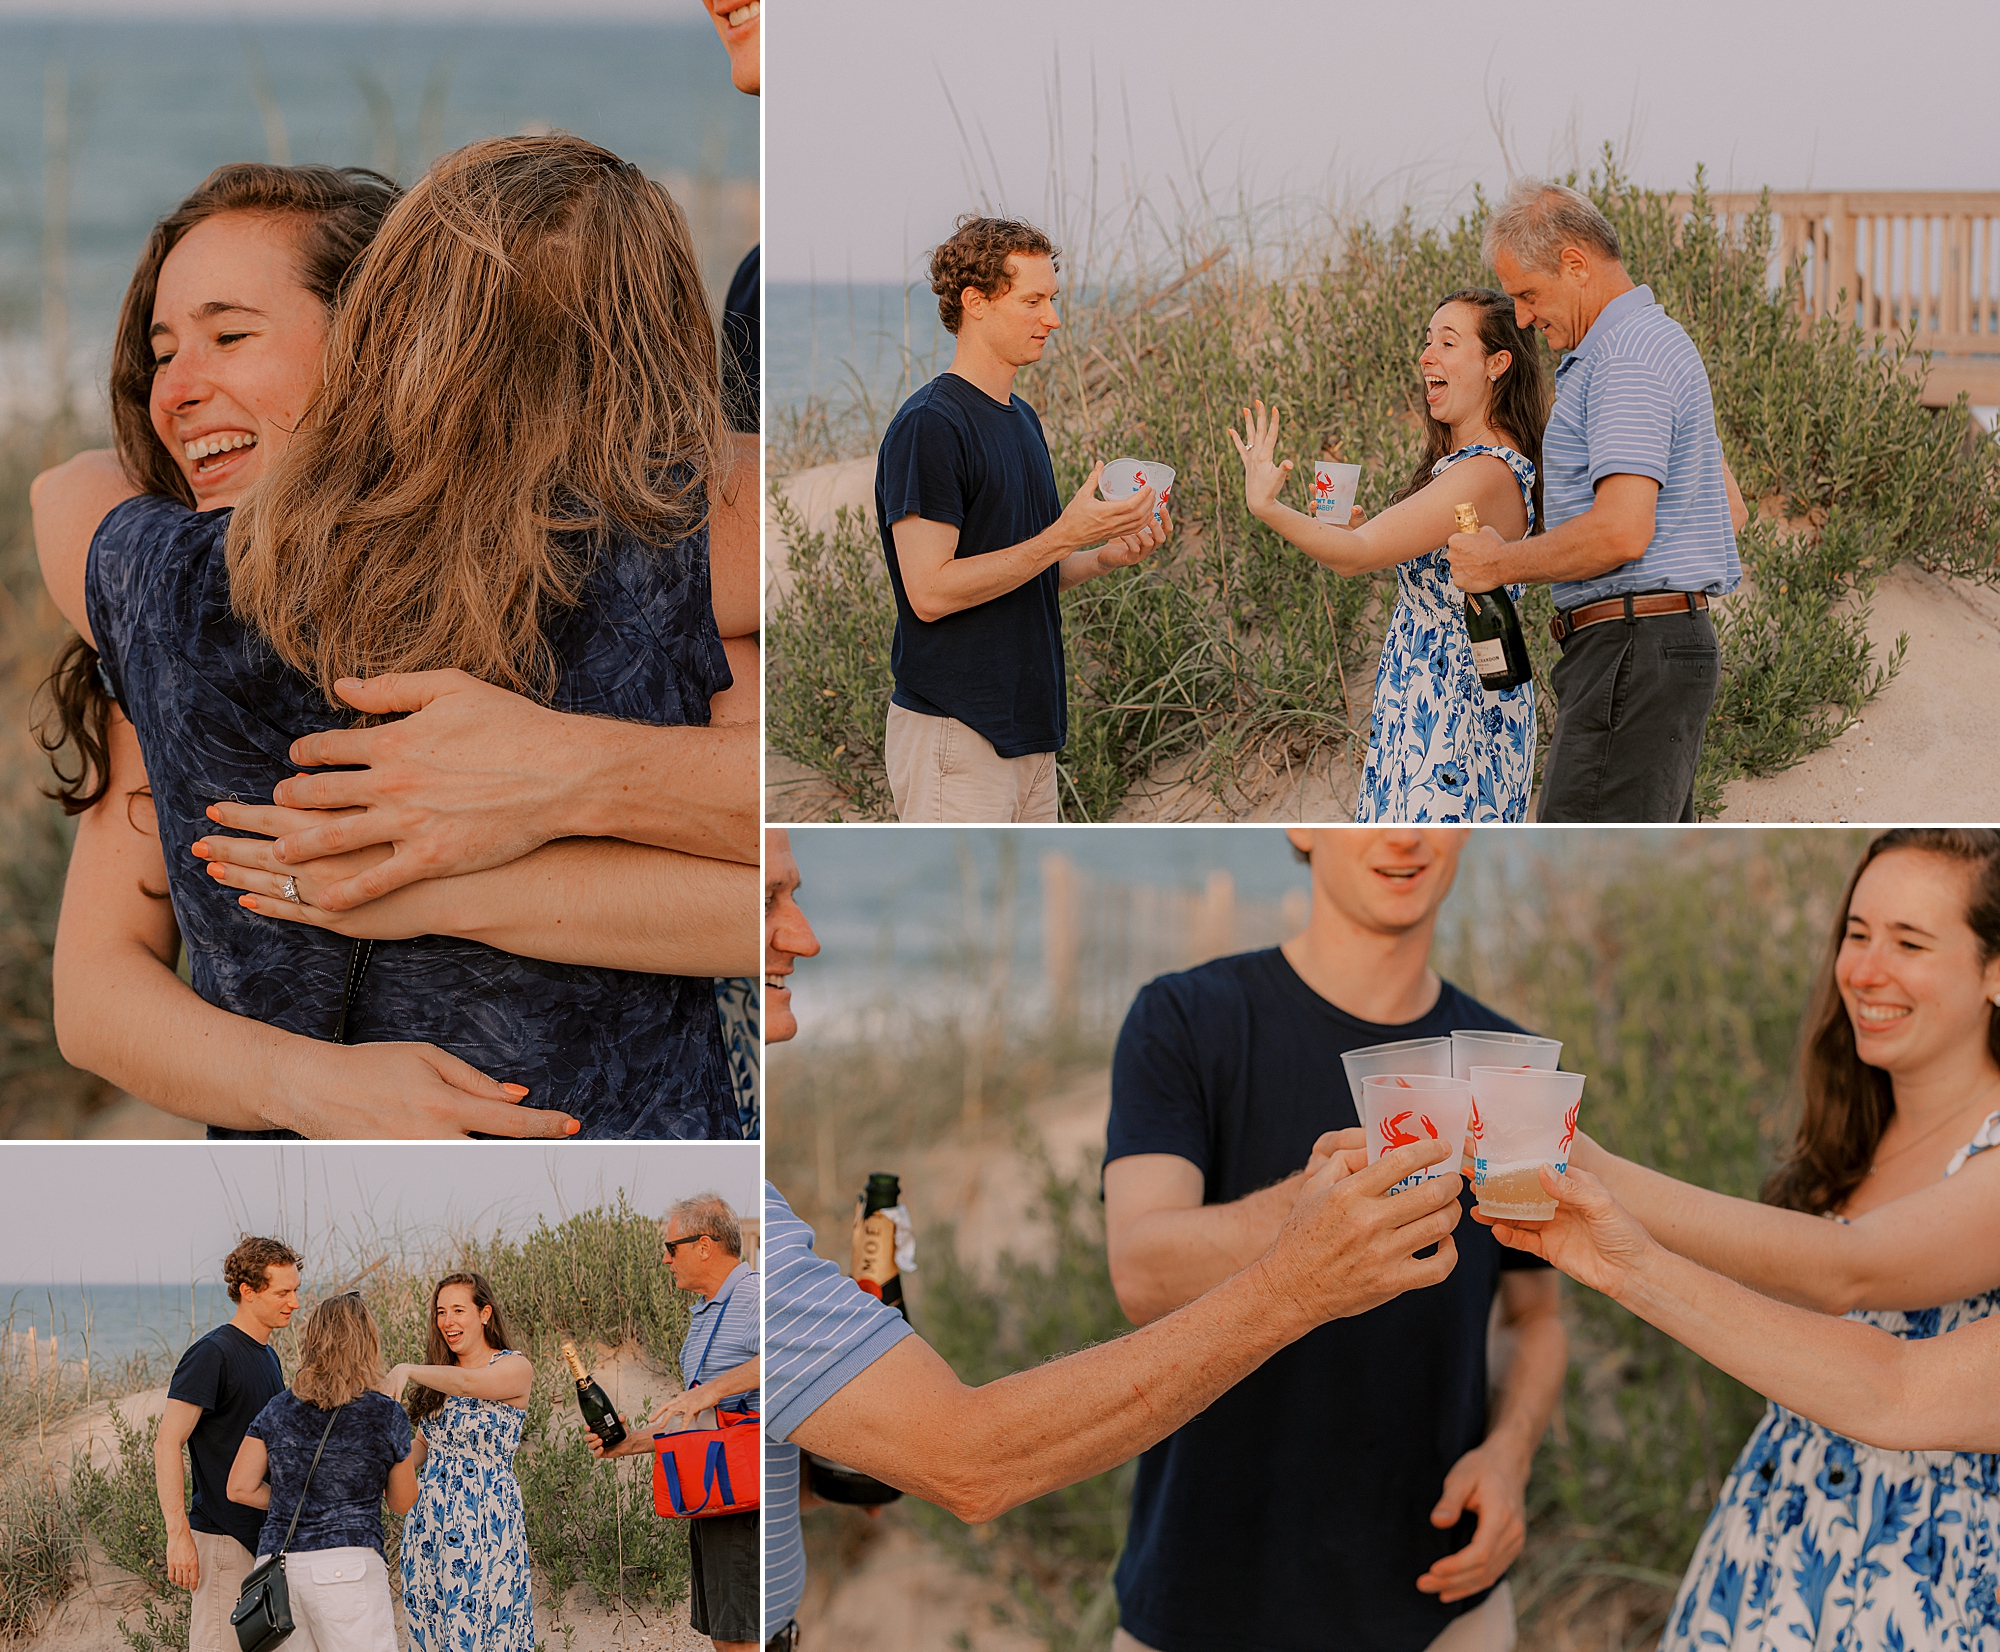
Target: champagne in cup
x,y
1527,1118
1398,1109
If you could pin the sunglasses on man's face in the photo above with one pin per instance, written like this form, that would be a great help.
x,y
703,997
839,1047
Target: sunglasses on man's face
x,y
672,1245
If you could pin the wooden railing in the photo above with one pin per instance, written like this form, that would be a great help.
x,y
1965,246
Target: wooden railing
x,y
1928,258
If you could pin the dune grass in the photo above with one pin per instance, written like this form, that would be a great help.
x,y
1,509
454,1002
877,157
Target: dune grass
x,y
1237,657
1674,967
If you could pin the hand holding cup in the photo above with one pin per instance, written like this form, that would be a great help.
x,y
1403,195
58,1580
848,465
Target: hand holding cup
x,y
1592,1237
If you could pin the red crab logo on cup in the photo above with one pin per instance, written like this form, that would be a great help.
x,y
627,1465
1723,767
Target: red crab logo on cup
x,y
1395,1136
1476,1129
1569,1127
1322,483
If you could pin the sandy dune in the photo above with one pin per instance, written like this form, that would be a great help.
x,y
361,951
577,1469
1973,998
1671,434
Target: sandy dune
x,y
1908,759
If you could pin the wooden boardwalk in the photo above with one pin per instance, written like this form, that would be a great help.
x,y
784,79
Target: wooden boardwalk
x,y
1890,260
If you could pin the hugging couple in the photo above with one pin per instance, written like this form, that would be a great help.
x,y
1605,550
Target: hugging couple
x,y
430,494
304,1469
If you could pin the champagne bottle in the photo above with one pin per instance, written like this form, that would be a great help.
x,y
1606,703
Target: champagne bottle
x,y
1499,651
875,1271
600,1416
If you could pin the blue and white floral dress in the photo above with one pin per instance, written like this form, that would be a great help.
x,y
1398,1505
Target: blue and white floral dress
x,y
465,1544
1440,747
1822,1542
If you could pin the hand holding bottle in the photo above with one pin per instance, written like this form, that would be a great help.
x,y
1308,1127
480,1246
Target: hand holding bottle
x,y
1478,560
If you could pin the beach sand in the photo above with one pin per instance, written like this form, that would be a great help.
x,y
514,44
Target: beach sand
x,y
1911,756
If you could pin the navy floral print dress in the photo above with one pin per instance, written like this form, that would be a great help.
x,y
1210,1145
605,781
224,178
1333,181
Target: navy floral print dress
x,y
1822,1542
629,1054
1441,748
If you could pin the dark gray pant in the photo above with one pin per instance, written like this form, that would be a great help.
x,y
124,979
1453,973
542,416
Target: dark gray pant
x,y
725,1583
1632,699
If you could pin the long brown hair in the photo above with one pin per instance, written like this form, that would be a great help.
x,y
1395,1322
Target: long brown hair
x,y
1845,1104
525,355
423,1401
340,1352
1519,408
338,211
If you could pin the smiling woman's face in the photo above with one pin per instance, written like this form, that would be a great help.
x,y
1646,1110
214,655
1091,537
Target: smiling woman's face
x,y
236,346
460,1322
1909,969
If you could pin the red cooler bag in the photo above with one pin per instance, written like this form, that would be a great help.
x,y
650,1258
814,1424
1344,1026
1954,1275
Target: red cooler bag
x,y
708,1471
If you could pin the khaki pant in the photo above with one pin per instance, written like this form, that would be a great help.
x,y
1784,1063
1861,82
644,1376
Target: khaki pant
x,y
340,1601
1488,1627
939,769
224,1563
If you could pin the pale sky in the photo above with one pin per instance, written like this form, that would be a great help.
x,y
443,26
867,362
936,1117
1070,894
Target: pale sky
x,y
867,163
108,1213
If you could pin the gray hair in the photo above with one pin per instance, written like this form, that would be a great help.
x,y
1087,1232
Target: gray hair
x,y
1537,219
709,1213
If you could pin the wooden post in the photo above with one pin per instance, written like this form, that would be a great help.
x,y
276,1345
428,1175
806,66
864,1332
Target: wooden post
x,y
1060,932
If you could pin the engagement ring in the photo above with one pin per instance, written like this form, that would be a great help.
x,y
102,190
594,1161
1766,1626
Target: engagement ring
x,y
290,890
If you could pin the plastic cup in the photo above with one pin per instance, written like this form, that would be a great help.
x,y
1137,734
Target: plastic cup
x,y
1526,1118
1400,1108
1502,1049
1124,477
1409,1055
1334,488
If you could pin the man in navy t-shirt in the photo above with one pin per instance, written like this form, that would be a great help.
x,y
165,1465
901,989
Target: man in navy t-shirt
x,y
1351,1494
221,1383
980,544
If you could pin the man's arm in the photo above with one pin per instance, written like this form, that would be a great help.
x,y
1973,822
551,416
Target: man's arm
x,y
740,1379
939,582
177,1422
733,530
1345,1248
1614,531
1492,1478
594,901
479,776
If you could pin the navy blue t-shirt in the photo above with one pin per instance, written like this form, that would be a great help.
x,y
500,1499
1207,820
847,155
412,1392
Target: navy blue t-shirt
x,y
628,1054
742,369
343,1507
1341,1442
231,1376
954,454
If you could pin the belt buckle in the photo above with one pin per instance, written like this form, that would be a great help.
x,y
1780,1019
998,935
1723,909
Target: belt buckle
x,y
1561,629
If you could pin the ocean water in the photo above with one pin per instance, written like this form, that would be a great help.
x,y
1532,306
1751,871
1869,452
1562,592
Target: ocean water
x,y
157,1318
839,341
139,112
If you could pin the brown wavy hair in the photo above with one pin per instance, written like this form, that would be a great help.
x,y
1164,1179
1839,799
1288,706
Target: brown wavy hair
x,y
976,256
423,1401
338,211
1522,395
525,357
250,1264
1846,1104
340,1352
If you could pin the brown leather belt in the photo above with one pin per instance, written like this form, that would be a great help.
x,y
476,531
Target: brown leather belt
x,y
1564,626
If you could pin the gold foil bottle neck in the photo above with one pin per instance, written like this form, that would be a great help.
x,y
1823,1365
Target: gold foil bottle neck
x,y
1468,519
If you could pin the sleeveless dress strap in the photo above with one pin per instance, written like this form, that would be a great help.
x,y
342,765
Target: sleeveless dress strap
x,y
1988,1135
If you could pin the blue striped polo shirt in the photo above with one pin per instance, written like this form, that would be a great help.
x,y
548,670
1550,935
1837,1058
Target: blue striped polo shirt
x,y
1633,399
821,1331
722,1334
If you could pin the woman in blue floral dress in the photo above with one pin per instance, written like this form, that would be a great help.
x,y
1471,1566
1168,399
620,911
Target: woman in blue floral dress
x,y
1441,748
1820,1540
465,1544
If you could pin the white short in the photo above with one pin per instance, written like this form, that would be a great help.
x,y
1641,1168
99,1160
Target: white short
x,y
340,1601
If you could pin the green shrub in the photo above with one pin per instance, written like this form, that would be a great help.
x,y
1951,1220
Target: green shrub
x,y
120,1507
39,1550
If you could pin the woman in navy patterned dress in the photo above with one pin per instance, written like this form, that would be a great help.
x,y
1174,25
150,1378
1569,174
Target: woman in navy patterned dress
x,y
466,1582
1440,747
506,470
1887,1211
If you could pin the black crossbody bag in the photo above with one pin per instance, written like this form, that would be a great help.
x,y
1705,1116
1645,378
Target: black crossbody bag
x,y
263,1615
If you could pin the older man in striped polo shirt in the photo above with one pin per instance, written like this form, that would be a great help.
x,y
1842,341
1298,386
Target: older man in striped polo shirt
x,y
1642,517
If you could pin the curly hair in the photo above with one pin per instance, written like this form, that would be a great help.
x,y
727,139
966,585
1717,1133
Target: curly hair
x,y
340,1352
976,256
1847,1104
251,1262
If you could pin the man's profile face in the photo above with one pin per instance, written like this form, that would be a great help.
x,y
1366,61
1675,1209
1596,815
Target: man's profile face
x,y
787,936
1385,882
1552,301
1016,323
274,1305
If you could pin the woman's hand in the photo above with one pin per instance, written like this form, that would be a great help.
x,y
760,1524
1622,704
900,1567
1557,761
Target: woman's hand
x,y
250,865
402,1092
1263,476
1591,1237
397,1379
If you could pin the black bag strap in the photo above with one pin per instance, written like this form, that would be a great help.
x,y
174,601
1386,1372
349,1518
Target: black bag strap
x,y
299,1507
357,966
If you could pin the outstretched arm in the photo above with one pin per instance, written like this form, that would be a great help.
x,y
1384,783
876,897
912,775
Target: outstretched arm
x,y
1940,1394
594,901
1406,529
1938,1245
1346,1247
504,1379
